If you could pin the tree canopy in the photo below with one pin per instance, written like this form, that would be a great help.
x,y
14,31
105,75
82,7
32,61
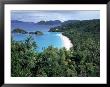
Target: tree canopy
x,y
82,60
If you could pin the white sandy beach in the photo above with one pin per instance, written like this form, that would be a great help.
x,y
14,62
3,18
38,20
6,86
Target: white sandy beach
x,y
66,41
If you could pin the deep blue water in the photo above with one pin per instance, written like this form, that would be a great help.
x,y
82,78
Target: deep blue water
x,y
42,41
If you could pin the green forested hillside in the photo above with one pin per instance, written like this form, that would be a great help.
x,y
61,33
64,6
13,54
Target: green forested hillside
x,y
85,36
82,60
92,26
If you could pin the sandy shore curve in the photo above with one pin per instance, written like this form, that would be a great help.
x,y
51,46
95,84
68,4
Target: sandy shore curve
x,y
66,42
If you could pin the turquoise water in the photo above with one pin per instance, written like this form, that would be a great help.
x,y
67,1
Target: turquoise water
x,y
43,41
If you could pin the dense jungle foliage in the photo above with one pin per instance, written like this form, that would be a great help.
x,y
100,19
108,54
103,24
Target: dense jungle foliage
x,y
82,60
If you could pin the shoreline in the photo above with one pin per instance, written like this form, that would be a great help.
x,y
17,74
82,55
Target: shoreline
x,y
66,42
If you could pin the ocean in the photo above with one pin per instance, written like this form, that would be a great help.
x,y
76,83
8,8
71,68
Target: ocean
x,y
42,41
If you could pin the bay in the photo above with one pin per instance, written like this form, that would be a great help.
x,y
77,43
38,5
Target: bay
x,y
42,41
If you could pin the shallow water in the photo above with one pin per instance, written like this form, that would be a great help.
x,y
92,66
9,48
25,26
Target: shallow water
x,y
42,41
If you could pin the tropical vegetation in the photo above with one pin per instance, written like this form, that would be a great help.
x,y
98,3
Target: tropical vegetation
x,y
82,60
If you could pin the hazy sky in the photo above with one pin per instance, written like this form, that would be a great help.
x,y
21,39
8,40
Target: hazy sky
x,y
46,15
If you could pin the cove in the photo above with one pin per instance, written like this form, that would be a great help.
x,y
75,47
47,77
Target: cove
x,y
43,41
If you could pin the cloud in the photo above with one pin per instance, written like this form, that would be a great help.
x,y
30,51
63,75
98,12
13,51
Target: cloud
x,y
63,15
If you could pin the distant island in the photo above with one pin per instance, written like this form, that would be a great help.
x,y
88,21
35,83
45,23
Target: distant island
x,y
36,32
51,22
55,22
18,30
